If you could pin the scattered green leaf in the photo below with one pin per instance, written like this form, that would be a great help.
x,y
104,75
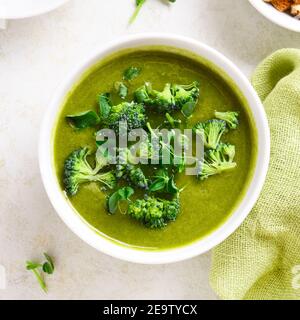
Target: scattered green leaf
x,y
121,89
158,185
122,194
171,121
188,109
31,265
139,4
40,280
164,182
87,119
46,267
104,105
131,73
171,186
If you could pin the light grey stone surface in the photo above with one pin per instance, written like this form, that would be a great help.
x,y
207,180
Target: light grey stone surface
x,y
35,56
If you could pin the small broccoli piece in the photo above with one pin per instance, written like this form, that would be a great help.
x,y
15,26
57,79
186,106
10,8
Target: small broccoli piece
x,y
154,213
171,209
146,150
228,151
218,161
103,159
126,170
131,73
137,177
121,89
163,101
173,97
211,132
77,170
185,93
141,95
132,113
230,117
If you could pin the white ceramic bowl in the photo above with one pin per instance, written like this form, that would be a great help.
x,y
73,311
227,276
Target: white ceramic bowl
x,y
280,18
80,227
18,9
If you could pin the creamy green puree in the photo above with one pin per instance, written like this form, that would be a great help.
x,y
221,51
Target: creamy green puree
x,y
205,205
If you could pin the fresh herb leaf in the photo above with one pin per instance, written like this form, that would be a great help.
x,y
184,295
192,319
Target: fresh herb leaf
x,y
164,183
188,109
158,185
171,121
131,73
122,194
104,105
139,4
126,193
31,265
40,280
87,119
113,202
121,89
171,187
48,266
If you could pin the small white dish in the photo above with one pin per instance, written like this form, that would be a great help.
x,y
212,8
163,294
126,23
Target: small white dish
x,y
280,18
18,9
103,244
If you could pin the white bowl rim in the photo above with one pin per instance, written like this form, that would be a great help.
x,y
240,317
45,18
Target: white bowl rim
x,y
75,222
280,18
34,12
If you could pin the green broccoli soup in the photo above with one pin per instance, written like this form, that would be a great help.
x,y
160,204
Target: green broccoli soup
x,y
146,204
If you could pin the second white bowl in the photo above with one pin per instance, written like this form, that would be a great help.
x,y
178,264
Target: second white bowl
x,y
280,18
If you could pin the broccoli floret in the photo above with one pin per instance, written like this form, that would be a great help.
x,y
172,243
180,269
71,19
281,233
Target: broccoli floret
x,y
218,161
126,170
77,170
230,117
163,101
211,132
171,209
130,112
228,151
185,93
154,213
145,150
141,95
173,97
137,177
103,159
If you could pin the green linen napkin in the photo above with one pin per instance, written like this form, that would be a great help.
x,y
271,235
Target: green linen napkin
x,y
262,259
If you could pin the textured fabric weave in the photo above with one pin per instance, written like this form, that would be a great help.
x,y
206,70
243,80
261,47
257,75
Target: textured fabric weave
x,y
262,259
